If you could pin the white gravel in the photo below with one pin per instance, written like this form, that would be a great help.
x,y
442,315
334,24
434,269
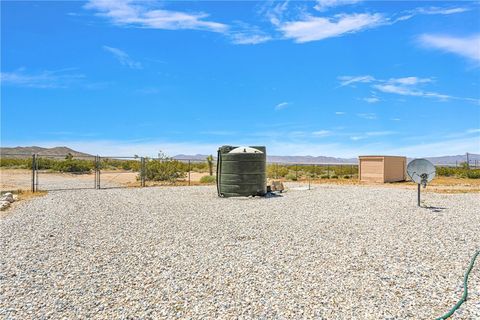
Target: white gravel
x,y
335,252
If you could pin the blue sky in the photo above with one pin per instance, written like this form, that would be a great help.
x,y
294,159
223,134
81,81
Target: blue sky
x,y
328,77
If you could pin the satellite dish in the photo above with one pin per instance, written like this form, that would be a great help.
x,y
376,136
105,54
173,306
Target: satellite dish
x,y
421,171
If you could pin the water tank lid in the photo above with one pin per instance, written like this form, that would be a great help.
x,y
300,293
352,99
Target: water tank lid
x,y
245,150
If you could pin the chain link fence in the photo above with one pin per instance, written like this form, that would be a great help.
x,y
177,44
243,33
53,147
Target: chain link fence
x,y
67,172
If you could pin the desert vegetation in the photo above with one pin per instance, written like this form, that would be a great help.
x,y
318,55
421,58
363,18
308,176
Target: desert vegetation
x,y
167,169
303,172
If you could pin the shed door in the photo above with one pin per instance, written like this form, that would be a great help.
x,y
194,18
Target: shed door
x,y
372,170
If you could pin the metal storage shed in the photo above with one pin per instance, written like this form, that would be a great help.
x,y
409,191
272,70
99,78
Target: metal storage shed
x,y
381,168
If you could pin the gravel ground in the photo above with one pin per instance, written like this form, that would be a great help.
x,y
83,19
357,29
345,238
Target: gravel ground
x,y
335,252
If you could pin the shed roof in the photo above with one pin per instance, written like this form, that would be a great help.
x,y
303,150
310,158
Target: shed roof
x,y
380,156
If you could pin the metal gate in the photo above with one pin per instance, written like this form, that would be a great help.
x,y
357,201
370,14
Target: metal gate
x,y
64,172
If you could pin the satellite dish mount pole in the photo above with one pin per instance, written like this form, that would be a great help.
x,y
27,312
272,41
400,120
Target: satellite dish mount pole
x,y
418,197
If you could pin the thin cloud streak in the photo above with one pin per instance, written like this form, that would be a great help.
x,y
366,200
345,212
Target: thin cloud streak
x,y
405,86
467,47
141,15
47,79
318,28
323,5
123,57
281,106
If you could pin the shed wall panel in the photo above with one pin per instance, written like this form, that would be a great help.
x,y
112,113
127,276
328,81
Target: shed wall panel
x,y
394,169
371,170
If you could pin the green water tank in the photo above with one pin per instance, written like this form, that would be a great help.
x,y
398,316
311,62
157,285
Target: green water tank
x,y
241,171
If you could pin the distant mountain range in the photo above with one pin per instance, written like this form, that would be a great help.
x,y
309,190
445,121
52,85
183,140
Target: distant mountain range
x,y
281,159
28,151
451,160
62,151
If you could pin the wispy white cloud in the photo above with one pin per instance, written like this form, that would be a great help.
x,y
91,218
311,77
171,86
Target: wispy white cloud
x,y
410,80
322,133
356,138
340,113
406,15
467,47
42,80
145,15
405,86
276,12
476,130
246,34
349,80
368,116
282,105
323,5
441,10
371,99
249,38
379,133
370,134
306,27
312,28
409,91
123,58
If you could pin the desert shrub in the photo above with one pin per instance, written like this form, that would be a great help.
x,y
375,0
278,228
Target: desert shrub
x,y
132,165
158,170
459,172
347,177
291,177
277,171
473,174
16,163
334,177
208,179
324,176
199,166
447,171
73,166
344,169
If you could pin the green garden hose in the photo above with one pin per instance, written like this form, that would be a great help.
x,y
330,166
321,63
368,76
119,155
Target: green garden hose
x,y
465,290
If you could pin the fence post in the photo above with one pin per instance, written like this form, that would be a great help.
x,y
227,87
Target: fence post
x,y
296,172
95,169
309,178
189,169
142,172
328,171
33,171
98,172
